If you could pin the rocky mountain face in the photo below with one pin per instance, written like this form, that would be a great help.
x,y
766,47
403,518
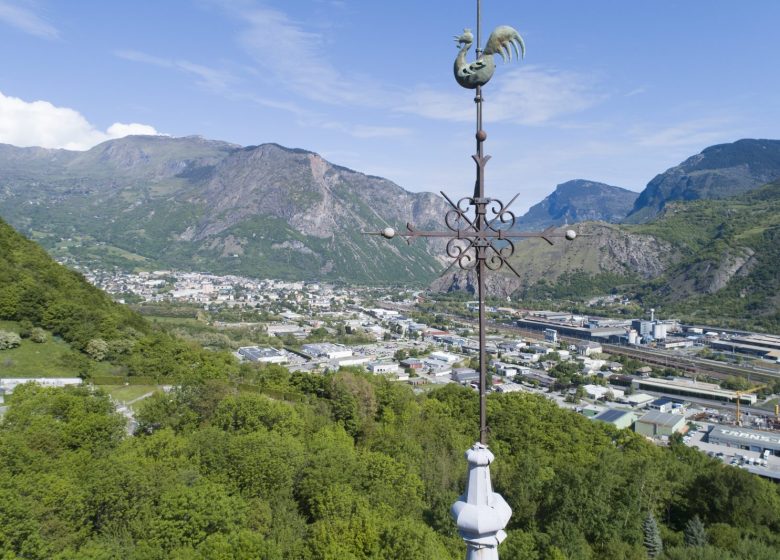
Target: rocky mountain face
x,y
704,260
599,249
717,172
198,204
730,258
579,201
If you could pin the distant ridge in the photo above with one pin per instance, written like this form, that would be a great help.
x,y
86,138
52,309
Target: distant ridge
x,y
579,201
717,172
193,203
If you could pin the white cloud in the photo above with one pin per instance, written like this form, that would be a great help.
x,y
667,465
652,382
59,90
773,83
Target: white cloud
x,y
530,95
27,21
209,78
362,130
293,58
700,132
39,123
120,130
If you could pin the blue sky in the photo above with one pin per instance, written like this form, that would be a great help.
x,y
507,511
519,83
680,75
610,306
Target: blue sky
x,y
610,90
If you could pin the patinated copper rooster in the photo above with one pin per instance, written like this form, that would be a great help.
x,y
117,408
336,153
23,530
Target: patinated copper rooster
x,y
479,72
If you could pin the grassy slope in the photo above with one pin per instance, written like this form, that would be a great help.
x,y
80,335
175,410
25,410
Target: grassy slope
x,y
46,359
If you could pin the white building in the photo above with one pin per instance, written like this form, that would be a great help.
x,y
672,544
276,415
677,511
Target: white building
x,y
327,350
263,355
599,392
588,348
282,329
351,361
509,388
383,367
446,357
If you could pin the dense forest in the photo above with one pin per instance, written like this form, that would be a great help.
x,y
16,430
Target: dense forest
x,y
240,462
359,468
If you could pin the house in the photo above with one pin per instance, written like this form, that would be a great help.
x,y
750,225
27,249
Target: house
x,y
412,363
588,348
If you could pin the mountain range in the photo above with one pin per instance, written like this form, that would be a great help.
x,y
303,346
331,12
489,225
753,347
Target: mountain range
x,y
717,172
269,211
191,203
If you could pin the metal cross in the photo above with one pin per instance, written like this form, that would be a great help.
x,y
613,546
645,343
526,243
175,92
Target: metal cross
x,y
477,242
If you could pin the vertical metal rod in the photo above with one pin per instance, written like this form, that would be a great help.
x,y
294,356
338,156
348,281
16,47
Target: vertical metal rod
x,y
479,203
479,28
482,364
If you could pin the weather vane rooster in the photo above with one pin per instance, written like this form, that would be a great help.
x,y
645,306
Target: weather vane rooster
x,y
479,72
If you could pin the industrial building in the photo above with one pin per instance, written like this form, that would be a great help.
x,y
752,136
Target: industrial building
x,y
465,375
263,355
642,327
564,329
690,388
601,392
763,346
656,423
509,388
327,350
621,419
383,367
751,440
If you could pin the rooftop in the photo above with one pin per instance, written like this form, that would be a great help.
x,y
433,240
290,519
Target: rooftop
x,y
661,418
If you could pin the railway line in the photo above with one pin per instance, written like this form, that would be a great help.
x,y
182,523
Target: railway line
x,y
691,364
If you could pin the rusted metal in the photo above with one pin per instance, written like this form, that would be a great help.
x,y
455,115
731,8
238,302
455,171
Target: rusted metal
x,y
481,236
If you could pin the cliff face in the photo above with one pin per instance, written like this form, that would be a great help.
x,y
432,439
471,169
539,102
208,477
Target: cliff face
x,y
599,248
200,204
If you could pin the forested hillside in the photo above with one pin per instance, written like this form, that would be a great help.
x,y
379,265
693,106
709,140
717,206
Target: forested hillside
x,y
38,292
359,468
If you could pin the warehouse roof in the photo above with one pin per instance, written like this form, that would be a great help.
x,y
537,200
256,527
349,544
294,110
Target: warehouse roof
x,y
746,437
612,415
661,418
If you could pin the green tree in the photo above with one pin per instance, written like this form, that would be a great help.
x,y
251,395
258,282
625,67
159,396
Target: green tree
x,y
9,340
97,349
652,536
695,534
38,335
